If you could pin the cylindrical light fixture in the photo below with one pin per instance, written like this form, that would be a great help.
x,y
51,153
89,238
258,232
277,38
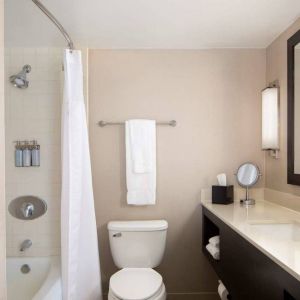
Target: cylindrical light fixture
x,y
270,120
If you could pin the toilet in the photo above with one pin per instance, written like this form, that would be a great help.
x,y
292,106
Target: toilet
x,y
137,247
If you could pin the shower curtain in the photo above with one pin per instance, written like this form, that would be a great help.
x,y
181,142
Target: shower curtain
x,y
79,254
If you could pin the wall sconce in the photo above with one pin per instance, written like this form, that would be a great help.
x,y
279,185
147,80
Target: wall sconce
x,y
270,120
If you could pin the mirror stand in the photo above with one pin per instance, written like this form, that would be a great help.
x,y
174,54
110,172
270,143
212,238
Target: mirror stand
x,y
247,175
247,201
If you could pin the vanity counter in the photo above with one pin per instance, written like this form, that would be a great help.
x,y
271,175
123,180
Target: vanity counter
x,y
273,229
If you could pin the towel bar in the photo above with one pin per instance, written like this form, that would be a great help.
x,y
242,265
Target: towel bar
x,y
102,123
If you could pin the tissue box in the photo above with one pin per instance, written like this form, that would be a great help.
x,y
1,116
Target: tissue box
x,y
222,194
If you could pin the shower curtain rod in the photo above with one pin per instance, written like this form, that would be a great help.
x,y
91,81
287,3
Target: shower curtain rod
x,y
56,23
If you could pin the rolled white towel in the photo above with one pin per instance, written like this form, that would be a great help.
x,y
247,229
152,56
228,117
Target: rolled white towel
x,y
222,291
215,241
214,251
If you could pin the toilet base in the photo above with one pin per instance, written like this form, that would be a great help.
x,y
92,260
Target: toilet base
x,y
160,295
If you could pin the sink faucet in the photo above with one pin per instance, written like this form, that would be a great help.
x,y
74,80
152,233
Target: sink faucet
x,y
27,210
25,245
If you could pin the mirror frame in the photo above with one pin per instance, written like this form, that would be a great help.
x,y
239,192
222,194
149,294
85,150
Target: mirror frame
x,y
257,175
292,177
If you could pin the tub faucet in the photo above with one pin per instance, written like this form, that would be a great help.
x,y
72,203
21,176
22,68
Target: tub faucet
x,y
25,245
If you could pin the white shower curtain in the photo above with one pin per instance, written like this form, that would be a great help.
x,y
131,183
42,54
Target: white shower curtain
x,y
80,256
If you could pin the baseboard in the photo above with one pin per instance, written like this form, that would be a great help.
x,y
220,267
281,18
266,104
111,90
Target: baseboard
x,y
193,296
188,296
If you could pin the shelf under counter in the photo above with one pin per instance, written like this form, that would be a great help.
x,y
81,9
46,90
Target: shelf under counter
x,y
245,270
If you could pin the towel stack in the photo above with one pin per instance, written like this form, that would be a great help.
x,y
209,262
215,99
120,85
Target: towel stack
x,y
222,291
213,247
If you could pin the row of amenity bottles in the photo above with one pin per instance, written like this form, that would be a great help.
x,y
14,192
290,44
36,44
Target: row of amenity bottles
x,y
27,154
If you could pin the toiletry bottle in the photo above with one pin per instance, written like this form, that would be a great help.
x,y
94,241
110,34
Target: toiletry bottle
x,y
18,155
35,154
26,155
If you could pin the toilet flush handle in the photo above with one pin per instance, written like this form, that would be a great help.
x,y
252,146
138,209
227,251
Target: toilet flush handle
x,y
118,234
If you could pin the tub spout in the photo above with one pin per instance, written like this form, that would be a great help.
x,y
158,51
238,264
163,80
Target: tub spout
x,y
25,245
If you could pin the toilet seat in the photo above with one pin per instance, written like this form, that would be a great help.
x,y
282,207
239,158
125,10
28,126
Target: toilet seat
x,y
136,284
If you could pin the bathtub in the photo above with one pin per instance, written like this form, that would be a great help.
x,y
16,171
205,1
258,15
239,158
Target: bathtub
x,y
42,282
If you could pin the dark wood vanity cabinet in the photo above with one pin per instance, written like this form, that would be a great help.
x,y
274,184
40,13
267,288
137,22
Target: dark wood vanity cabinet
x,y
247,273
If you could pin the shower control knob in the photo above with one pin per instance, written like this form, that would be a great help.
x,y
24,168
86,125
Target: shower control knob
x,y
27,209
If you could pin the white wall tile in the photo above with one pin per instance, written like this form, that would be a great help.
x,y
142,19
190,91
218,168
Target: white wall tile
x,y
35,113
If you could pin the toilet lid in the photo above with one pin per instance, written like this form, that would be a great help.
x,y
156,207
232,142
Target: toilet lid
x,y
135,283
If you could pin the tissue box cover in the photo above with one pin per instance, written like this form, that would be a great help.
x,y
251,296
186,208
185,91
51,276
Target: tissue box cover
x,y
222,194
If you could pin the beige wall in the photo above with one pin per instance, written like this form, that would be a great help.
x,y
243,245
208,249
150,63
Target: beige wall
x,y
2,163
276,170
215,97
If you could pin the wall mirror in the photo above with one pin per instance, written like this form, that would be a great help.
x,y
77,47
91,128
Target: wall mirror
x,y
294,109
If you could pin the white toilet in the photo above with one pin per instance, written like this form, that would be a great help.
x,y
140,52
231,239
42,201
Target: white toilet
x,y
137,247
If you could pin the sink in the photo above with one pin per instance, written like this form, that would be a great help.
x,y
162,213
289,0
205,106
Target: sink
x,y
280,231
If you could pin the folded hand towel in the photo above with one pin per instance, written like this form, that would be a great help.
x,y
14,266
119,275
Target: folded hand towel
x,y
214,251
141,162
142,143
215,241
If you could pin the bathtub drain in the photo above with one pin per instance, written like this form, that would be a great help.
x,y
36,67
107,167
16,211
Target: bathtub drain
x,y
25,269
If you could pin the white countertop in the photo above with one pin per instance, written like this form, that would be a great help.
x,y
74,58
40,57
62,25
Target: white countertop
x,y
273,229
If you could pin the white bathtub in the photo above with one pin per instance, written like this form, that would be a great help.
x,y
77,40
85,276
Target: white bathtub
x,y
43,282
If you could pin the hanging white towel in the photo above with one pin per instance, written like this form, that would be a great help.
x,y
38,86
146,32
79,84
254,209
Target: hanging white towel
x,y
141,162
79,244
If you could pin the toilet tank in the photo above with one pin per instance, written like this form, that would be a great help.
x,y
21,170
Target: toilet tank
x,y
137,244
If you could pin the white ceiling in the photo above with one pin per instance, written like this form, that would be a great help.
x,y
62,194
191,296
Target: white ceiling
x,y
162,24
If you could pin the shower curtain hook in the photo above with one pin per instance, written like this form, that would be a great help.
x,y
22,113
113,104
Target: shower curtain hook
x,y
71,47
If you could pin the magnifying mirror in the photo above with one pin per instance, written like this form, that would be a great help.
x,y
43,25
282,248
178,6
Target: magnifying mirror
x,y
247,175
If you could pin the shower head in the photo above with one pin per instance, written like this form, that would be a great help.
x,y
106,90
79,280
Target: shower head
x,y
20,80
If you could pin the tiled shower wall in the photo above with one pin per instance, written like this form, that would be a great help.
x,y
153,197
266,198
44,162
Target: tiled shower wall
x,y
2,161
35,113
